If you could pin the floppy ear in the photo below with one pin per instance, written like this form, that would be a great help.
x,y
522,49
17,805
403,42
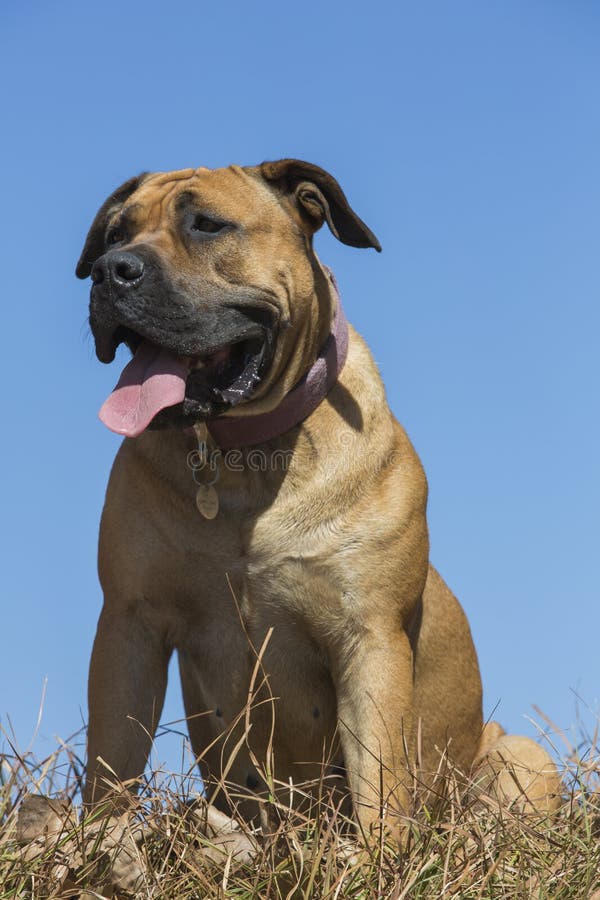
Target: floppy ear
x,y
94,243
320,197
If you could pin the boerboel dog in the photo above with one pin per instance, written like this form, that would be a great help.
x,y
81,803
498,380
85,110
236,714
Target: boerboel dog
x,y
266,513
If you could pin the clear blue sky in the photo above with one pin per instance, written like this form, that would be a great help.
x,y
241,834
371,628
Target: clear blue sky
x,y
466,134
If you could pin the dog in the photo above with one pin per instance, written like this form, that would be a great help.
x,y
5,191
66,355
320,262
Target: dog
x,y
266,513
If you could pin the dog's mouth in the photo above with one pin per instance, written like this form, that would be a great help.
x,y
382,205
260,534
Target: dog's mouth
x,y
161,388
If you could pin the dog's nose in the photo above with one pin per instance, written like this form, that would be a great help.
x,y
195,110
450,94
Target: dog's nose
x,y
120,267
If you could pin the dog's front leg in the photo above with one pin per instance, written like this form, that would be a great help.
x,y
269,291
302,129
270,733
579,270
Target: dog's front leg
x,y
128,678
374,686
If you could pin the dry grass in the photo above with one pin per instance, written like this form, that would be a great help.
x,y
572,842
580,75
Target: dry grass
x,y
454,848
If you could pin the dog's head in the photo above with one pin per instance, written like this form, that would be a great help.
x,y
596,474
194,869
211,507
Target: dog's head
x,y
210,278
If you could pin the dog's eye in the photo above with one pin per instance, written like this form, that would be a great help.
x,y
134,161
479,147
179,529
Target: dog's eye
x,y
205,225
114,236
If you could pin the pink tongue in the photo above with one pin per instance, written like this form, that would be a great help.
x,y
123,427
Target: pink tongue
x,y
152,380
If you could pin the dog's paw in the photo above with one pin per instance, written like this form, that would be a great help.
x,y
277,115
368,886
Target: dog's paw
x,y
41,822
115,844
222,836
518,774
107,847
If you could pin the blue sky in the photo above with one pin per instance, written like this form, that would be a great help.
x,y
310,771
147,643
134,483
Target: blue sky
x,y
466,135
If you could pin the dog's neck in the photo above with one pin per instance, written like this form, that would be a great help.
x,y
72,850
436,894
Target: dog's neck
x,y
245,431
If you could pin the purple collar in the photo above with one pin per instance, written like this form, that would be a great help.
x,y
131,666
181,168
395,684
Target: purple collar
x,y
300,402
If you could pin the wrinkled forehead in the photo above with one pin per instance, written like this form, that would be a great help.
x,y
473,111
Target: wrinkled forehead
x,y
232,192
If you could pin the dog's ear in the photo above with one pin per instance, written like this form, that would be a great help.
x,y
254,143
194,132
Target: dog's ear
x,y
320,198
94,243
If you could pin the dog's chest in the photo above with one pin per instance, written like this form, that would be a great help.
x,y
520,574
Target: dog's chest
x,y
265,583
254,636
267,597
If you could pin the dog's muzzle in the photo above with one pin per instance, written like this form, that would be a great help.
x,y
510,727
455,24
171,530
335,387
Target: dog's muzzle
x,y
194,357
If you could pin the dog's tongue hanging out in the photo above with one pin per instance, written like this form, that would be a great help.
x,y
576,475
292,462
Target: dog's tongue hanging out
x,y
152,380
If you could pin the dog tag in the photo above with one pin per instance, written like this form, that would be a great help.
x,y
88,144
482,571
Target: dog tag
x,y
207,501
201,432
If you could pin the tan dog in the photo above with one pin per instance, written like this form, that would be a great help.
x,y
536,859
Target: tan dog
x,y
306,585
